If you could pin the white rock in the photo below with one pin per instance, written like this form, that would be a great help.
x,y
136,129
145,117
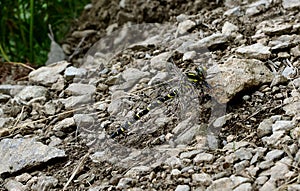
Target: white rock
x,y
184,26
266,165
202,178
282,125
48,75
190,55
279,171
269,185
257,51
77,89
31,92
265,128
137,171
183,188
290,4
222,184
175,172
229,28
274,154
238,180
243,72
293,187
243,154
244,187
204,157
273,139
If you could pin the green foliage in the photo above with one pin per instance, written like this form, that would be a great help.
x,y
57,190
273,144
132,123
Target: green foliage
x,y
24,27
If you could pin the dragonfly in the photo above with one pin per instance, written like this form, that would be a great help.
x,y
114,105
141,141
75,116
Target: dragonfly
x,y
196,79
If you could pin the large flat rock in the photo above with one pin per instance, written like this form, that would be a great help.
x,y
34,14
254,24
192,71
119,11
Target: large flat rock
x,y
236,75
19,154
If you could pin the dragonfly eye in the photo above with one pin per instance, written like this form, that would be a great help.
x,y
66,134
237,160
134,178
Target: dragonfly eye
x,y
201,71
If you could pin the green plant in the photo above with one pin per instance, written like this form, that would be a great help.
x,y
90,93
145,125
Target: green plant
x,y
24,27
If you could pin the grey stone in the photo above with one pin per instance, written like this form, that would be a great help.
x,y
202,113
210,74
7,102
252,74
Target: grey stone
x,y
222,184
235,145
290,4
183,188
228,29
23,177
297,157
10,89
133,74
253,170
84,33
50,108
48,75
77,89
243,154
83,120
239,167
261,180
74,101
246,73
64,125
257,51
265,128
277,29
31,92
238,180
175,172
283,42
54,141
72,72
278,79
12,185
266,164
293,187
189,134
137,171
289,72
269,185
124,183
233,11
220,121
190,55
159,78
259,154
181,18
244,187
257,7
295,51
203,157
45,183
279,171
173,161
18,154
292,108
296,82
202,178
212,141
273,140
189,154
274,154
185,26
210,42
282,125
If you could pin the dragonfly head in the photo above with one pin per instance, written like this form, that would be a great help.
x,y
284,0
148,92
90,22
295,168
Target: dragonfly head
x,y
201,72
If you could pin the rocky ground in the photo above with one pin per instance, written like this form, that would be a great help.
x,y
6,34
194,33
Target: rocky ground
x,y
241,132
